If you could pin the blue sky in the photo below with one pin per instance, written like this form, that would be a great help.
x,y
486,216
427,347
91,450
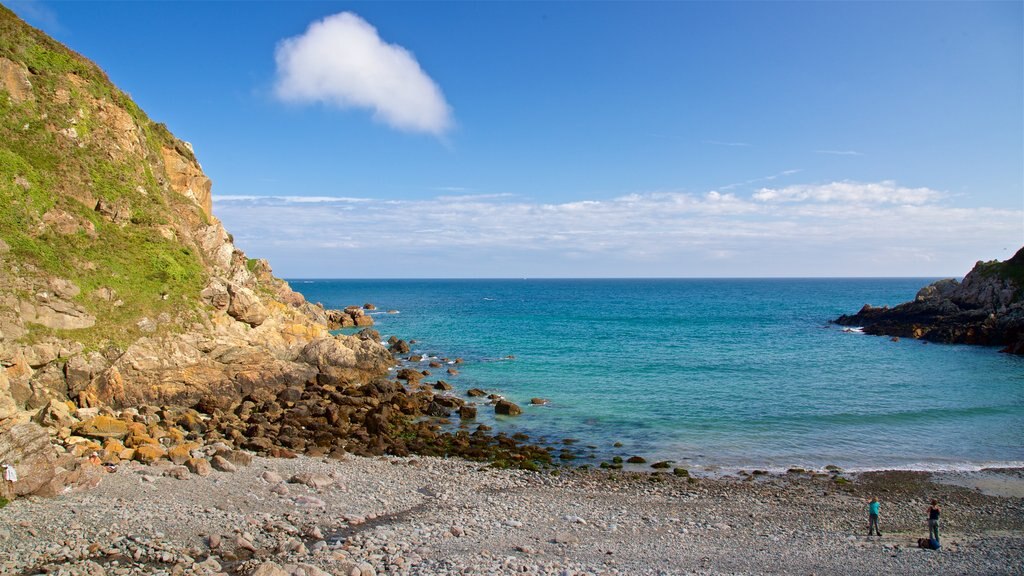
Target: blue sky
x,y
529,139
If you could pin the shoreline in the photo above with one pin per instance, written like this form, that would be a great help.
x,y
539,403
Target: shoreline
x,y
423,515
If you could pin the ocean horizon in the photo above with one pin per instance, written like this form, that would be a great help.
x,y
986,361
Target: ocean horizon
x,y
712,374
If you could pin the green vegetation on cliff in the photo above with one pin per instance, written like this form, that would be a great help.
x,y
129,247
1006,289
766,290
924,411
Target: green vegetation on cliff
x,y
85,194
1012,269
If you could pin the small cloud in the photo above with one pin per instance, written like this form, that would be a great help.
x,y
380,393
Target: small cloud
x,y
840,152
288,199
342,61
768,178
473,197
884,192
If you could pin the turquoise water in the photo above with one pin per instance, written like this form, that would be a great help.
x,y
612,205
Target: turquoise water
x,y
719,374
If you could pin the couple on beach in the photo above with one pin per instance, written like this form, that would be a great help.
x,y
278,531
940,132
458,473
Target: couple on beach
x,y
933,519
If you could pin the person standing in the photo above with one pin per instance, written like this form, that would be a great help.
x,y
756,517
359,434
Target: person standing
x,y
873,507
933,521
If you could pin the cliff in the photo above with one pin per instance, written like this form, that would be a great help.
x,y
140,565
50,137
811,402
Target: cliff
x,y
118,286
987,308
133,329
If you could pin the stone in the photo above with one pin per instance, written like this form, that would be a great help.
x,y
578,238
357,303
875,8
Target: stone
x,y
243,543
55,414
272,477
467,412
538,401
269,569
436,410
236,457
199,466
56,313
222,464
246,306
149,453
179,472
26,446
102,427
506,408
180,454
8,406
314,481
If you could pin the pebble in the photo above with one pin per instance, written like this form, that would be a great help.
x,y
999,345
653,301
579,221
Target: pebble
x,y
572,523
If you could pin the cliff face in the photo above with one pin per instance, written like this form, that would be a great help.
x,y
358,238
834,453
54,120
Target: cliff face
x,y
118,286
987,308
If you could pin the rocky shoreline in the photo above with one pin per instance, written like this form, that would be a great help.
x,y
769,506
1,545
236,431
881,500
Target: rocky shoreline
x,y
986,308
422,515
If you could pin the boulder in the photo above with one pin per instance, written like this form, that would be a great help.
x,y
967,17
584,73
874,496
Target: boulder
x,y
102,427
81,369
269,569
221,463
344,359
149,453
315,481
438,411
8,407
506,408
180,454
409,375
216,295
236,457
467,412
198,466
56,414
26,446
246,306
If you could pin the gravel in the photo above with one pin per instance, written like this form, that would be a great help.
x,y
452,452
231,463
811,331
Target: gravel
x,y
365,516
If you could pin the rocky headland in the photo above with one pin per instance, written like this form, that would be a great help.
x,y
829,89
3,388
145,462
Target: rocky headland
x,y
133,327
986,308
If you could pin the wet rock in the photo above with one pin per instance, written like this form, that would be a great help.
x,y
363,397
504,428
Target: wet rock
x,y
506,408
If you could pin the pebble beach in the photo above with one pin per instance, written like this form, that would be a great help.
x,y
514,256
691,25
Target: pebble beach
x,y
361,516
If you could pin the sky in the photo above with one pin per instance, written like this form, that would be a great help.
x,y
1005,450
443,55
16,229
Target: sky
x,y
579,139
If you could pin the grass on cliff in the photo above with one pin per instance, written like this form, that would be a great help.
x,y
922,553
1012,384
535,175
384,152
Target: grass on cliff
x,y
1011,269
57,157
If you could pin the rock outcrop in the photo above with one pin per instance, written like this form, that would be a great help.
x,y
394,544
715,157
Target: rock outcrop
x,y
118,285
986,308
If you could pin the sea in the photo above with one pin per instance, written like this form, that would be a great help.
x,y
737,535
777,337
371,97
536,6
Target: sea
x,y
715,375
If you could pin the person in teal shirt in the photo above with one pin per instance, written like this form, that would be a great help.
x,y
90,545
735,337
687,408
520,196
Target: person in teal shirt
x,y
873,507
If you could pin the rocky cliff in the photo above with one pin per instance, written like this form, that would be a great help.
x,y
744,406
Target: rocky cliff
x,y
118,286
987,308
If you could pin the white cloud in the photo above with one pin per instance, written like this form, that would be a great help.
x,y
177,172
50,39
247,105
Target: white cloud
x,y
341,61
768,178
868,229
885,192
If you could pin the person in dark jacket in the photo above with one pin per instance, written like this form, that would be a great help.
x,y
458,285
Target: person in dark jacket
x,y
933,520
